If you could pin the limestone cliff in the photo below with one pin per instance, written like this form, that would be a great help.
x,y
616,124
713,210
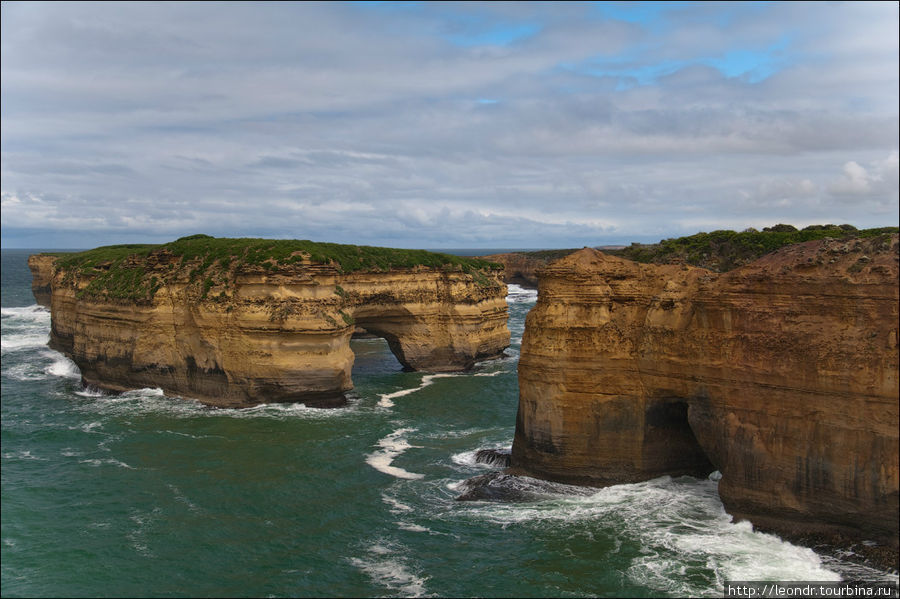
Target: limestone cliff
x,y
41,267
240,330
782,374
519,267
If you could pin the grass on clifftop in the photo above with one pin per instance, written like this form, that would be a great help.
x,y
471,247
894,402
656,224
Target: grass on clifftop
x,y
120,271
726,250
722,251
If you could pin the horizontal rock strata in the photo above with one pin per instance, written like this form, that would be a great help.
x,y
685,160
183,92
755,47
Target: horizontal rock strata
x,y
782,374
41,267
259,335
519,268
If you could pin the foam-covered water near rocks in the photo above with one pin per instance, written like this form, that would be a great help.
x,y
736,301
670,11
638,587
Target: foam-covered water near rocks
x,y
680,525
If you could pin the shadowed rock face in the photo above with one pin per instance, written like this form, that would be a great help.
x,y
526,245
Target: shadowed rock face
x,y
519,268
781,374
41,276
278,335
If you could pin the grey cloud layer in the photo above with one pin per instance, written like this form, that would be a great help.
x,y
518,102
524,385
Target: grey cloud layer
x,y
346,123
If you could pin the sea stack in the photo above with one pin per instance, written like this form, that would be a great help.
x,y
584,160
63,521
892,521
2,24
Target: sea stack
x,y
236,322
781,374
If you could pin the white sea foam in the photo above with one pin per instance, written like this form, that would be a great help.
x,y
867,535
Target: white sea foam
x,y
11,342
676,522
24,328
90,392
106,462
428,379
387,565
457,434
144,521
63,367
24,372
88,427
467,458
411,527
396,506
33,367
392,446
22,455
516,294
155,401
494,373
33,313
853,571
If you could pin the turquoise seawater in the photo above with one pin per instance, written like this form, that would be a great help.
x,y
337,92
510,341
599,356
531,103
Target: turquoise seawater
x,y
140,494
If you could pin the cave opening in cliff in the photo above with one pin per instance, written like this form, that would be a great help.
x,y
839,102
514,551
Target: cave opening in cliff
x,y
669,441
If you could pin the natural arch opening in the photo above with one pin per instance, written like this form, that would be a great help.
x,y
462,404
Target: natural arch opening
x,y
372,356
385,323
669,444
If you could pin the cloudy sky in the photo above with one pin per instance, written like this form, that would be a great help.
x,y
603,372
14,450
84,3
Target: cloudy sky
x,y
444,125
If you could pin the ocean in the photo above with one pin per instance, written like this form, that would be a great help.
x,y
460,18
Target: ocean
x,y
139,494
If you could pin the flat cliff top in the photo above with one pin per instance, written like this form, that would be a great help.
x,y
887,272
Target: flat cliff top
x,y
136,271
719,251
722,251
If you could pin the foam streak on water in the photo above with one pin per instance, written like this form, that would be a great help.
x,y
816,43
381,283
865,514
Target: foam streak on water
x,y
387,564
391,447
427,380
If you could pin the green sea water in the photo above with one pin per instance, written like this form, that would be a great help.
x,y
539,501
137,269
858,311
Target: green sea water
x,y
139,494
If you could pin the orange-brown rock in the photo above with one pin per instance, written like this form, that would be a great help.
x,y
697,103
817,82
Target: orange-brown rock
x,y
519,268
272,335
41,267
783,374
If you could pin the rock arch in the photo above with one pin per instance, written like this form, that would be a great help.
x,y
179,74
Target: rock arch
x,y
277,336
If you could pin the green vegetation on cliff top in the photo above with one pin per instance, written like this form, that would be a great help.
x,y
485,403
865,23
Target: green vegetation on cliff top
x,y
121,271
722,251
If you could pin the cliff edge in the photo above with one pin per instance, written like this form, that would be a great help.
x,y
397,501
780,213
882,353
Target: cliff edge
x,y
781,374
237,322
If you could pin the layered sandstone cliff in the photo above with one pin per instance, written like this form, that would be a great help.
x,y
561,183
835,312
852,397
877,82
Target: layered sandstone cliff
x,y
782,375
519,268
41,277
234,333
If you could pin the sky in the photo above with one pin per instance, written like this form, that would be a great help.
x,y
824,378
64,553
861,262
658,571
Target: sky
x,y
444,125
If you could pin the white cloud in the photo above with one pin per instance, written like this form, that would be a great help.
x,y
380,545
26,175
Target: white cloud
x,y
346,122
879,179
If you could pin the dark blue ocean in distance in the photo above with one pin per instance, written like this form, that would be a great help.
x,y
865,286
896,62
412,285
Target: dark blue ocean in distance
x,y
140,494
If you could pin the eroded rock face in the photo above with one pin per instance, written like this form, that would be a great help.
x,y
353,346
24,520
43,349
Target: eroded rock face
x,y
41,267
782,374
519,268
271,336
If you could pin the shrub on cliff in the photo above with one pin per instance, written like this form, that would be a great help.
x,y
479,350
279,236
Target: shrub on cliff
x,y
725,250
123,271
